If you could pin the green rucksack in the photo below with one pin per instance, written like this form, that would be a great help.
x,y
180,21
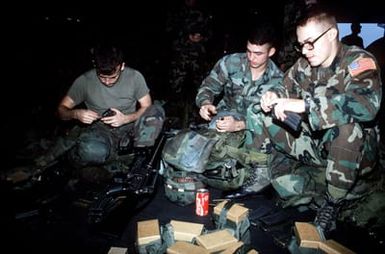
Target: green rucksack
x,y
181,186
219,157
188,151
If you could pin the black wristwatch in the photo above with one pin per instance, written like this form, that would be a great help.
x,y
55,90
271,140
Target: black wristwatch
x,y
307,104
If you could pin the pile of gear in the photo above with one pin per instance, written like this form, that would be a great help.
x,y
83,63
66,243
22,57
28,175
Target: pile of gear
x,y
202,156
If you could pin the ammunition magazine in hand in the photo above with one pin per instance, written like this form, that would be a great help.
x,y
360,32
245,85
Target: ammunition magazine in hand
x,y
293,120
108,112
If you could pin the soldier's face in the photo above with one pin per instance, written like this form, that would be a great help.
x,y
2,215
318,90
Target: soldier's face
x,y
110,80
258,55
315,40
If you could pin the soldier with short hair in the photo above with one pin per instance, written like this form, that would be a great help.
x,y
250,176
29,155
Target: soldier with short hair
x,y
111,87
332,159
235,82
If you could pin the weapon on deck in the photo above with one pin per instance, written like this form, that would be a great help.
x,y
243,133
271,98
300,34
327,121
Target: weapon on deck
x,y
137,184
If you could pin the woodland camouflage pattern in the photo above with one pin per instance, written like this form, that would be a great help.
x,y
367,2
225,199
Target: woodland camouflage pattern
x,y
232,76
339,138
188,66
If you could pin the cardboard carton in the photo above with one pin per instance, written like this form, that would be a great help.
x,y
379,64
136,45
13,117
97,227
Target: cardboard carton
x,y
186,248
236,213
186,231
117,250
307,235
216,241
333,247
148,231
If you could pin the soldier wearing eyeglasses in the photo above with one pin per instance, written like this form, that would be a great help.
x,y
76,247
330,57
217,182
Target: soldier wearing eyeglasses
x,y
331,161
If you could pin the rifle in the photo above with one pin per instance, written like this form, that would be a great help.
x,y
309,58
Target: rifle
x,y
139,182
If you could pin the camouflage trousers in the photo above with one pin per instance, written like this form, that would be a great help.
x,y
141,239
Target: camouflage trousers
x,y
98,143
308,170
341,161
347,154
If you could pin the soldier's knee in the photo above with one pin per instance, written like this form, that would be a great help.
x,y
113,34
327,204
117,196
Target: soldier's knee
x,y
348,131
148,127
289,185
92,150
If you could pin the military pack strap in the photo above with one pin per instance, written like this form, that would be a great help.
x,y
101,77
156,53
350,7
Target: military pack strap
x,y
179,189
246,157
188,151
223,214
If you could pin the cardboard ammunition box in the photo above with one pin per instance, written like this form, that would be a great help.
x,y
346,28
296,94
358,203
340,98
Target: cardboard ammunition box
x,y
186,248
236,213
333,247
216,241
186,231
307,235
232,248
117,250
148,232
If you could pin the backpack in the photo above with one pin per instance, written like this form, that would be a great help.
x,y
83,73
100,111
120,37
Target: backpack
x,y
188,151
181,186
220,158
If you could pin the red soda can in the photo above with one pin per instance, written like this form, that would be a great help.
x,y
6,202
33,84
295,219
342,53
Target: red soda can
x,y
202,202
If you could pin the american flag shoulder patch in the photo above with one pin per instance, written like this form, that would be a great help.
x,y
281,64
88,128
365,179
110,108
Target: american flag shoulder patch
x,y
360,65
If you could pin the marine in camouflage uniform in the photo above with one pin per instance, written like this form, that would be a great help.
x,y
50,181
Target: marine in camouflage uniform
x,y
231,76
188,62
188,68
188,29
332,160
237,81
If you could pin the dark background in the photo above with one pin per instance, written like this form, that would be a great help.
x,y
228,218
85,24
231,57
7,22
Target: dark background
x,y
46,46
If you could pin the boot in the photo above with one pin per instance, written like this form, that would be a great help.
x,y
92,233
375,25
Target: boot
x,y
327,214
258,180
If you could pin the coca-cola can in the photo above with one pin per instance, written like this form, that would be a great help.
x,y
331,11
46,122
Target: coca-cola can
x,y
202,202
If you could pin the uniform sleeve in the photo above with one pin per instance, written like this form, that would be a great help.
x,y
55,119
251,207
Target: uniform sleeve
x,y
213,84
77,90
357,99
290,87
141,86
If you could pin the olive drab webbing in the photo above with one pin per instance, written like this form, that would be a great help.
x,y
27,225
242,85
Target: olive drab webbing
x,y
220,158
240,230
181,186
188,151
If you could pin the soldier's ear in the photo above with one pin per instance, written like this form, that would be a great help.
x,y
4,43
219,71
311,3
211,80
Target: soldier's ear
x,y
333,34
122,67
271,51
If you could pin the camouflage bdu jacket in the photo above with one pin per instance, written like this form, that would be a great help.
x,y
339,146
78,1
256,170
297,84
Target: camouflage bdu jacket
x,y
232,76
188,60
338,131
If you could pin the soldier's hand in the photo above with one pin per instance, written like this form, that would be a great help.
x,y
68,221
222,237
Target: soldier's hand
x,y
268,101
115,120
229,124
86,116
207,111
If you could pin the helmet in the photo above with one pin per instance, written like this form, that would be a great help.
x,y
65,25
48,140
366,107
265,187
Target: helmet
x,y
181,187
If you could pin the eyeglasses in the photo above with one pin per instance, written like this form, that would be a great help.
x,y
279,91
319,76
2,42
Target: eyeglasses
x,y
309,45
